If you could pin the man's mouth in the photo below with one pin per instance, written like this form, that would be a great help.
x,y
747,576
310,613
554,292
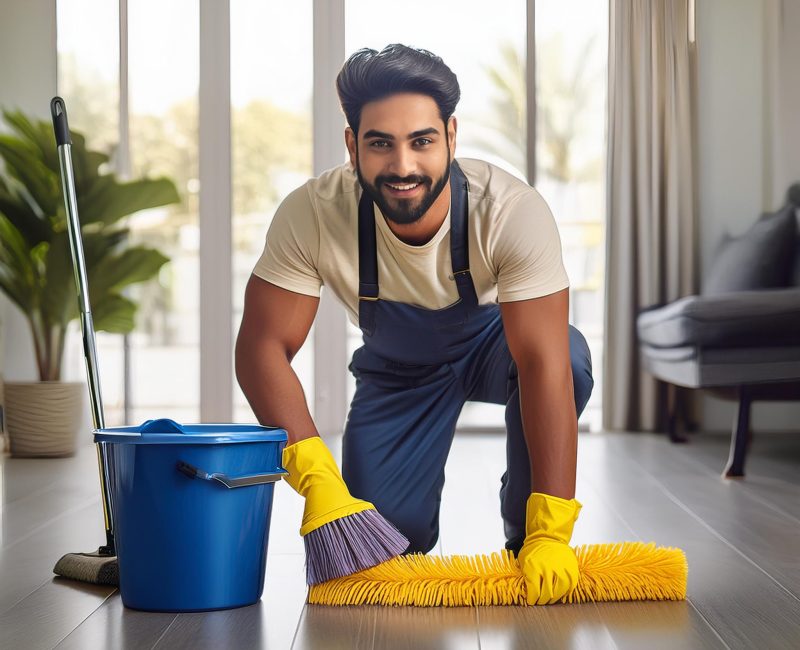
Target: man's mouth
x,y
403,189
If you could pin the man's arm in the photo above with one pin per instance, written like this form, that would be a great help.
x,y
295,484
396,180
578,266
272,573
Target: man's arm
x,y
538,337
274,326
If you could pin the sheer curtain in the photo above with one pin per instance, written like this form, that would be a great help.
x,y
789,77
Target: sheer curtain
x,y
652,243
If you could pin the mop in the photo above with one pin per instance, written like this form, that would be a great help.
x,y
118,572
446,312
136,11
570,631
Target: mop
x,y
608,572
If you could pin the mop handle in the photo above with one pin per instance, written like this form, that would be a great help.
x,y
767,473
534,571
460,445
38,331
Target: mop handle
x,y
58,111
64,143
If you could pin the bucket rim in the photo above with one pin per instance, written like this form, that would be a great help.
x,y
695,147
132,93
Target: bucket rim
x,y
201,433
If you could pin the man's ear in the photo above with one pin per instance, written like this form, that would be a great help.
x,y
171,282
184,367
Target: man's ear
x,y
452,128
350,141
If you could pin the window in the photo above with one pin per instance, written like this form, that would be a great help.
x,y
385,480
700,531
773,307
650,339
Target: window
x,y
271,85
163,41
88,80
570,124
272,79
571,65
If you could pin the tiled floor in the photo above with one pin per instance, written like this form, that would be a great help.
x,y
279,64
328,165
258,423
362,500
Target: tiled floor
x,y
742,539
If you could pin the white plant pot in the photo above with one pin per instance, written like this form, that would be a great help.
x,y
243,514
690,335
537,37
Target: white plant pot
x,y
43,418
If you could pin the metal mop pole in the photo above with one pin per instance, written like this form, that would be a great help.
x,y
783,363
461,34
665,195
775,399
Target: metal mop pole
x,y
64,143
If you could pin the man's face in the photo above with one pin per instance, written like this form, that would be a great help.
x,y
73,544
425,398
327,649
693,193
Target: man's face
x,y
402,154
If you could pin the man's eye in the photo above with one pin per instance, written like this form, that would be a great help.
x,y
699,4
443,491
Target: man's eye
x,y
421,142
379,144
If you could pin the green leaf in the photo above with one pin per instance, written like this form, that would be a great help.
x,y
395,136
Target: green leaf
x,y
108,201
132,265
85,163
114,313
39,134
13,288
59,304
33,228
24,163
18,259
35,260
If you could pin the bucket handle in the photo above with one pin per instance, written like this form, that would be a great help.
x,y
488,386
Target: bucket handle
x,y
231,481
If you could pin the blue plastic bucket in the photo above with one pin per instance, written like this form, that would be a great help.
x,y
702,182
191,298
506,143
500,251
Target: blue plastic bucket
x,y
192,506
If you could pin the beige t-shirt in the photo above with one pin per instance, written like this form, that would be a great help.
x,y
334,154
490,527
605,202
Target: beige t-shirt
x,y
514,247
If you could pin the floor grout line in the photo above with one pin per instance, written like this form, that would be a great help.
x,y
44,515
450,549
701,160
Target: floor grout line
x,y
64,513
694,461
28,595
706,621
672,497
638,536
297,627
86,618
164,633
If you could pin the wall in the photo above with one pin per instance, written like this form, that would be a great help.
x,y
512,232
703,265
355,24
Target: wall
x,y
787,150
27,82
749,138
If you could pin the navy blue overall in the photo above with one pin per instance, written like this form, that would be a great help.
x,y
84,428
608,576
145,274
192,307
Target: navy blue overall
x,y
414,372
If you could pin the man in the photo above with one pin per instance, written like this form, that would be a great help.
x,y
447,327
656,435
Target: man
x,y
453,271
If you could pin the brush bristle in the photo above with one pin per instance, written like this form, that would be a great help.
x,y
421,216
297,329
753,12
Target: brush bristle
x,y
624,571
351,544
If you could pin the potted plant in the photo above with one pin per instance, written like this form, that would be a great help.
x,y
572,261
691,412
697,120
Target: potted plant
x,y
36,272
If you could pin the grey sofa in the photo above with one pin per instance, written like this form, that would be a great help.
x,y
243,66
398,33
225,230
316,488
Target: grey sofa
x,y
741,337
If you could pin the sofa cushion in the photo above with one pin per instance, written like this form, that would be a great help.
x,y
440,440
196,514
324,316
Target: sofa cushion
x,y
770,317
761,258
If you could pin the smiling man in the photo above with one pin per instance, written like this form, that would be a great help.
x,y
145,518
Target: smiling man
x,y
452,269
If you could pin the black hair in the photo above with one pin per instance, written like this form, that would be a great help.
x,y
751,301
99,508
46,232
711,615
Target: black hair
x,y
369,75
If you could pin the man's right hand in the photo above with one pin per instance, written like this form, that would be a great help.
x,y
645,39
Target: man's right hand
x,y
313,474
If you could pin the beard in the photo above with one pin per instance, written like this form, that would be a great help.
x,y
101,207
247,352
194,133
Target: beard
x,y
399,210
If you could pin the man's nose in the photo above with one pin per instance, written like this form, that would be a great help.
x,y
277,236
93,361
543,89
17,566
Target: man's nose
x,y
403,162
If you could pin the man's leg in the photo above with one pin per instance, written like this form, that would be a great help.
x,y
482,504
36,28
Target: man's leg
x,y
396,441
493,378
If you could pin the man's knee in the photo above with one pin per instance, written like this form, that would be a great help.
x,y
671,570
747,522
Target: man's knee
x,y
421,529
420,540
581,360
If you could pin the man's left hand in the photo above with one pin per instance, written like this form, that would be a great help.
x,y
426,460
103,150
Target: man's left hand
x,y
548,562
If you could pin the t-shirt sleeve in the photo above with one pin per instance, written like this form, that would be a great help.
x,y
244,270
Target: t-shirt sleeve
x,y
527,251
291,249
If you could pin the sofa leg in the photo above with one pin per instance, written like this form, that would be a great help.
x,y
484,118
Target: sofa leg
x,y
740,437
683,399
675,420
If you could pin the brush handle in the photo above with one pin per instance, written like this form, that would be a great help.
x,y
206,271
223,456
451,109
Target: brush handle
x,y
61,128
58,111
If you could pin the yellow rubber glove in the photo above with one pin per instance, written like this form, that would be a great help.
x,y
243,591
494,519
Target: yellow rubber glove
x,y
314,475
548,562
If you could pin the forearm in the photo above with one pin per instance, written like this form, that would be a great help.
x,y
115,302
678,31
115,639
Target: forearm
x,y
274,391
551,429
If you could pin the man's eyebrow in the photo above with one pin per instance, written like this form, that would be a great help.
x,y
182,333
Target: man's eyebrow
x,y
374,133
421,132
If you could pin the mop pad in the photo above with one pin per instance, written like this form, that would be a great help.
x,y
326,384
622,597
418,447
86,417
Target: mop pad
x,y
622,571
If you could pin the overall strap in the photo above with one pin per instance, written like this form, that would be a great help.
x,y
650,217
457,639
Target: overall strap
x,y
459,235
367,265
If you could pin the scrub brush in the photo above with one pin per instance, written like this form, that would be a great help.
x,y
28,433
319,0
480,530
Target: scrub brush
x,y
342,534
622,571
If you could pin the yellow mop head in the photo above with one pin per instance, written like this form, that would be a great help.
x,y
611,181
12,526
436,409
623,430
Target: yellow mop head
x,y
624,571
